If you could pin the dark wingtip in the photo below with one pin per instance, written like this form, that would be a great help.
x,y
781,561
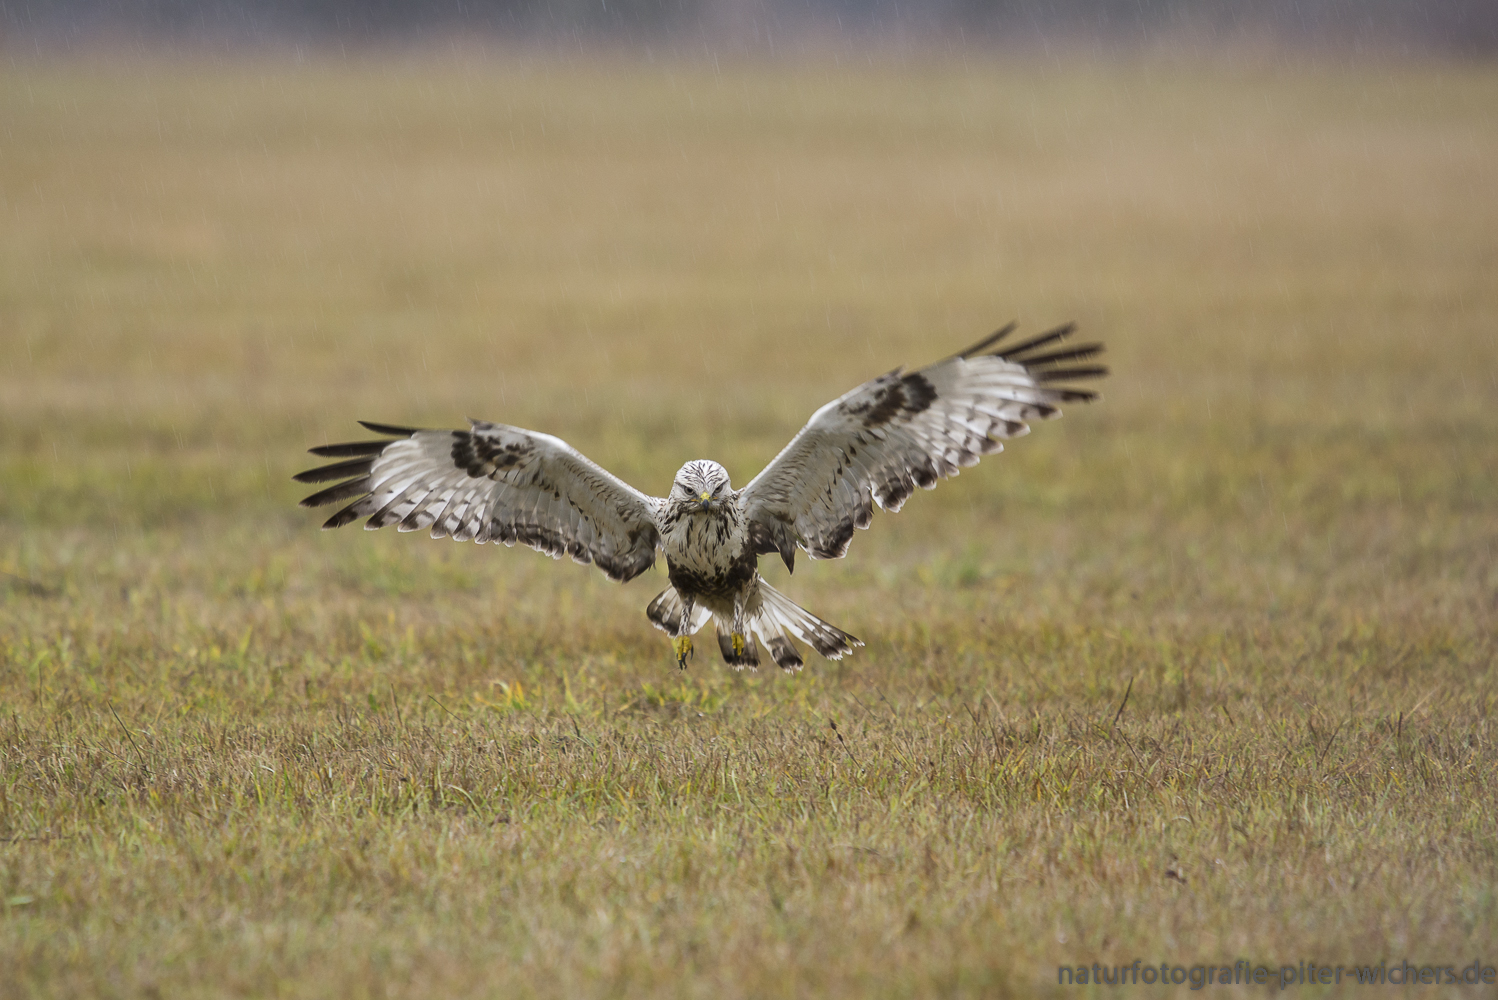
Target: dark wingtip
x,y
358,449
988,341
352,488
344,516
1067,374
1013,351
390,429
349,449
1079,353
338,470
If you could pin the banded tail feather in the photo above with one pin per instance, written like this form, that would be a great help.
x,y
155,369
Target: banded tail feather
x,y
774,622
779,614
666,610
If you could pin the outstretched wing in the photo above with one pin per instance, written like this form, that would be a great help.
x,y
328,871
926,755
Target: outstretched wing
x,y
900,431
492,482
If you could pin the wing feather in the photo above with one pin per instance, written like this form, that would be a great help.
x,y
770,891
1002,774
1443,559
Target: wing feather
x,y
492,483
876,444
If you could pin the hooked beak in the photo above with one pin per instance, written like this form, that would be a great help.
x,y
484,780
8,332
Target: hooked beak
x,y
705,502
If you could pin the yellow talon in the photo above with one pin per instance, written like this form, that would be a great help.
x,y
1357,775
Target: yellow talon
x,y
738,644
683,647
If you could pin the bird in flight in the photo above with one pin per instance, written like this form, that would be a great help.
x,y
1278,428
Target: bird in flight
x,y
874,445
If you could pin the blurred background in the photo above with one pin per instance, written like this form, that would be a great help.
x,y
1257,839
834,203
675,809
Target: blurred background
x,y
1449,25
672,230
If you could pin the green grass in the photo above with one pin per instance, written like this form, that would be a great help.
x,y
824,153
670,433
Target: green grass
x,y
1202,672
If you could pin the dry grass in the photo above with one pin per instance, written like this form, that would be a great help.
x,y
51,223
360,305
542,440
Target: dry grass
x,y
1203,672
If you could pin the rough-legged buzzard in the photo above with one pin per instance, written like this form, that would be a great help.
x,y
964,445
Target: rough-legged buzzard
x,y
874,445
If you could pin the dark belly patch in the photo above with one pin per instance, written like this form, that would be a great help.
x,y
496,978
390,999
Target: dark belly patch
x,y
722,585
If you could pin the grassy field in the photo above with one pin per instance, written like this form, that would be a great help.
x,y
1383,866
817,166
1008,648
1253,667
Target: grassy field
x,y
1202,672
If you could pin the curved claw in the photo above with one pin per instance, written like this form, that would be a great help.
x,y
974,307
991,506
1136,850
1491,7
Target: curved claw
x,y
683,648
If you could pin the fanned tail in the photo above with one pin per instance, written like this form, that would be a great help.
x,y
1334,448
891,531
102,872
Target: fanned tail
x,y
665,613
779,618
747,655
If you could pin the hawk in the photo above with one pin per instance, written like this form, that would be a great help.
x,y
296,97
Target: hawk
x,y
874,445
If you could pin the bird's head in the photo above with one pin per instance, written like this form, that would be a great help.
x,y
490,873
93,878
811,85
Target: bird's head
x,y
701,487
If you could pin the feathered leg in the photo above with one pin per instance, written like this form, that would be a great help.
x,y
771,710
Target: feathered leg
x,y
682,641
739,628
737,647
676,616
683,635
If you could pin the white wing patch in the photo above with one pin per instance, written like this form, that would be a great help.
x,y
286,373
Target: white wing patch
x,y
900,431
493,483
